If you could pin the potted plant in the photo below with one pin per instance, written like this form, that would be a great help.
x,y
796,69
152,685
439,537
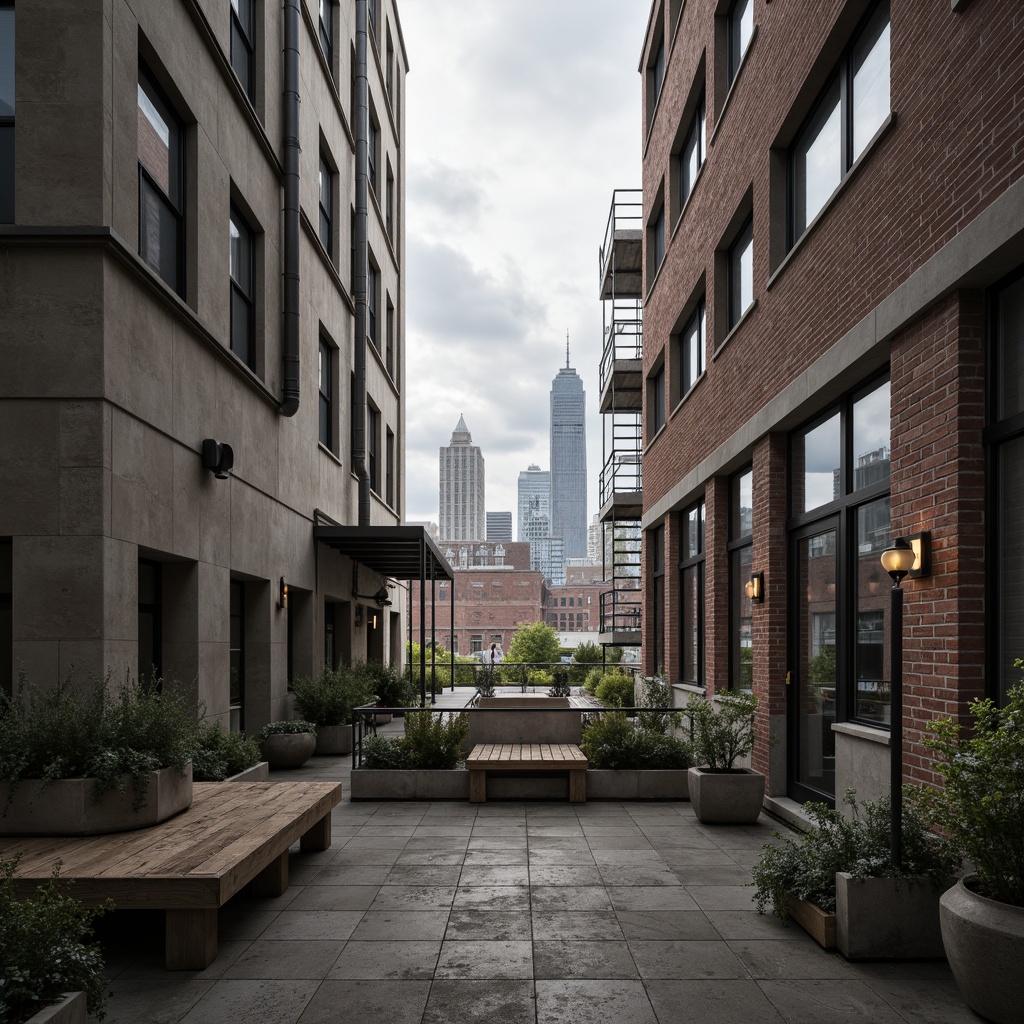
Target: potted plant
x,y
288,744
48,968
221,755
89,759
981,808
328,701
837,880
392,690
723,732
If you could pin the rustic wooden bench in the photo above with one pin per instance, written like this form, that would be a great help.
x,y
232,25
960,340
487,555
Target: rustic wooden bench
x,y
526,757
192,864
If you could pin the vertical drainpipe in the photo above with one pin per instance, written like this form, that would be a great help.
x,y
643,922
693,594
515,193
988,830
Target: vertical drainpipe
x,y
360,255
290,314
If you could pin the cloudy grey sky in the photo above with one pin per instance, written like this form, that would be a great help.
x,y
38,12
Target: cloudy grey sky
x,y
522,117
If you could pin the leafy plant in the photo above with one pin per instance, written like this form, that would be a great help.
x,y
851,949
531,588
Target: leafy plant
x,y
485,684
534,643
723,730
285,728
805,868
392,689
330,698
464,669
981,805
386,752
539,677
430,742
560,687
584,658
95,731
44,948
219,754
654,692
612,742
616,690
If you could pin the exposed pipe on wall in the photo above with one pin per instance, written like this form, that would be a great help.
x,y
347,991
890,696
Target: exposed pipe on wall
x,y
360,255
290,313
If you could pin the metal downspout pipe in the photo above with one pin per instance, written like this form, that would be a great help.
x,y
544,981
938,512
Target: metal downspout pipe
x,y
290,313
360,251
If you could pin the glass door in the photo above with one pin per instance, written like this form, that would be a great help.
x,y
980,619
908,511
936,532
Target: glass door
x,y
812,681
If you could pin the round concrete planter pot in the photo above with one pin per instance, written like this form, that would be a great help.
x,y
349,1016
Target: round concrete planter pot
x,y
70,1010
257,773
333,739
288,749
984,943
65,807
728,797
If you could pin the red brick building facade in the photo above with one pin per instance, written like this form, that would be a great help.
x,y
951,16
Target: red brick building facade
x,y
833,244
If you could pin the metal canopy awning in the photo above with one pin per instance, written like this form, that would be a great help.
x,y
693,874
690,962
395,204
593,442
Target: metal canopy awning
x,y
401,552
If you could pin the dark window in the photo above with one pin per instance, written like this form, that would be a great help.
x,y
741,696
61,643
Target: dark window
x,y
390,496
656,401
326,206
326,395
741,567
327,31
373,153
161,189
691,349
389,69
242,309
656,243
372,441
691,612
741,274
6,114
236,655
656,72
691,159
243,35
371,15
6,615
656,638
150,621
741,31
372,278
850,109
389,206
389,354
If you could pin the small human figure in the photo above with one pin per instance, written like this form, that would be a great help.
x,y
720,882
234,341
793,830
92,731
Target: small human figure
x,y
496,655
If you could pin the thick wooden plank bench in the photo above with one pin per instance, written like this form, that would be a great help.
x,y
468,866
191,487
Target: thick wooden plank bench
x,y
192,864
526,757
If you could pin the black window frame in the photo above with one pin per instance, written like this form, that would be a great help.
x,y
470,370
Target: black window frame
x,y
372,446
7,130
693,560
656,243
325,30
243,45
325,389
240,301
236,650
696,323
389,338
744,237
372,16
373,151
372,303
656,71
696,133
390,482
656,414
326,227
739,548
736,49
656,637
153,612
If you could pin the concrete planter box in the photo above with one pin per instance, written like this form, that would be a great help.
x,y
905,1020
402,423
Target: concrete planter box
x,y
65,807
333,739
726,798
820,925
257,773
381,784
70,1010
887,918
984,942
495,720
284,750
642,784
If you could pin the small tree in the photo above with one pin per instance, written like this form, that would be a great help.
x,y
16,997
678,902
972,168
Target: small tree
x,y
535,642
584,658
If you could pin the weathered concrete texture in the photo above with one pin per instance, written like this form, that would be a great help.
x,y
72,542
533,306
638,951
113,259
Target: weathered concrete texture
x,y
726,798
862,762
509,726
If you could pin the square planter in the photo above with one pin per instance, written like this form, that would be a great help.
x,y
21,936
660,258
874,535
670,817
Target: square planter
x,y
638,785
70,1010
333,739
727,797
380,784
887,918
820,925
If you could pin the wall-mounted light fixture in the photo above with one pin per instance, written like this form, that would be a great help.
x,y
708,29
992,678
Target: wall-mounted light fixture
x,y
755,587
282,594
359,615
382,597
218,458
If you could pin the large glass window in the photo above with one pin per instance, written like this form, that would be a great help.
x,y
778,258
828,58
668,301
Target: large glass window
x,y
691,160
656,401
243,35
656,244
327,31
741,566
326,183
161,189
691,349
242,306
741,31
691,574
236,655
6,114
373,153
850,110
656,638
326,377
741,274
656,76
372,447
372,303
150,660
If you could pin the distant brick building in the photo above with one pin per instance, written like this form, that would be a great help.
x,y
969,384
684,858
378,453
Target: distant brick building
x,y
833,259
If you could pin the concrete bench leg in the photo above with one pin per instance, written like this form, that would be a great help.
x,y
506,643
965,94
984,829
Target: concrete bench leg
x,y
478,787
318,837
577,787
273,879
190,939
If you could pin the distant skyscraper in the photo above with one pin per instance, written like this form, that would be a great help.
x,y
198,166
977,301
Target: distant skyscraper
x,y
569,461
534,504
499,526
461,508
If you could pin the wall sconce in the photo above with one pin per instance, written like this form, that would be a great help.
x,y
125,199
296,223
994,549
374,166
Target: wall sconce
x,y
373,621
359,615
921,545
755,587
282,594
218,458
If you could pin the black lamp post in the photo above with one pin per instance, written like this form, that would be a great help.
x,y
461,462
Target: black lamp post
x,y
897,562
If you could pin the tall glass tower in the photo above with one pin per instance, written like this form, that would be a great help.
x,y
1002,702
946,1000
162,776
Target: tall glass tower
x,y
461,508
569,461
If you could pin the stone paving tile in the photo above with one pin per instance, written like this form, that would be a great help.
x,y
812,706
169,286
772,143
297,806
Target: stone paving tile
x,y
723,897
401,925
480,1002
476,960
711,1002
352,874
713,874
419,842
407,960
593,1002
582,958
567,831
413,897
499,925
831,1002
283,960
494,874
348,856
421,856
627,857
482,858
742,924
570,897
269,1002
638,874
576,924
925,1002
492,897
666,924
424,874
772,959
361,842
548,855
243,923
154,1000
387,831
640,842
397,1002
681,959
650,897
497,843
548,873
312,924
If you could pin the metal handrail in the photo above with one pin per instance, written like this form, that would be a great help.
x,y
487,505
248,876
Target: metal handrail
x,y
627,211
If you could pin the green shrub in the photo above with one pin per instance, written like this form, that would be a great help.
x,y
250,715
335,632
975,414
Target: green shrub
x,y
435,741
584,658
539,677
464,669
723,730
593,680
612,742
96,731
385,752
534,643
392,689
285,728
805,867
330,697
616,690
654,692
219,754
44,948
485,684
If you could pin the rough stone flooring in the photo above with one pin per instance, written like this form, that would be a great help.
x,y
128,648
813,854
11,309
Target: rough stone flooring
x,y
516,913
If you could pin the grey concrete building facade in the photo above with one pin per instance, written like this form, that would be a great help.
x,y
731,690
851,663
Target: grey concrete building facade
x,y
569,461
461,507
180,269
499,526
